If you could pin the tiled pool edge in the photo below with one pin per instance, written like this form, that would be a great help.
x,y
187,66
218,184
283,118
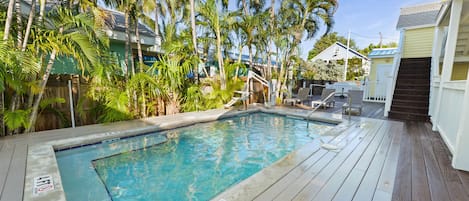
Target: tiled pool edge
x,y
41,157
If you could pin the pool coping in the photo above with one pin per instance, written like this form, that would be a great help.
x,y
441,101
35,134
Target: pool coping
x,y
41,158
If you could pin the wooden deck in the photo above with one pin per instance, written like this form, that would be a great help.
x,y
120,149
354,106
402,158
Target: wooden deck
x,y
385,160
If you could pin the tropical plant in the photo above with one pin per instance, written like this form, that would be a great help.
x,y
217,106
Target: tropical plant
x,y
172,76
68,33
209,13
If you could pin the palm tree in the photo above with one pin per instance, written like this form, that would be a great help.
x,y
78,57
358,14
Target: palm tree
x,y
249,26
172,71
305,16
297,18
6,32
32,12
270,39
194,37
210,13
68,34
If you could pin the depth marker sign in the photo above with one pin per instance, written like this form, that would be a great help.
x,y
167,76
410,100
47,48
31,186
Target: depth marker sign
x,y
42,184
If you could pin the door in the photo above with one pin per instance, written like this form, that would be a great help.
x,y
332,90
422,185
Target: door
x,y
382,73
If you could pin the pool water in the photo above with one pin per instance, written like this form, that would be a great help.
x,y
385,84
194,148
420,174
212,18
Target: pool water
x,y
193,163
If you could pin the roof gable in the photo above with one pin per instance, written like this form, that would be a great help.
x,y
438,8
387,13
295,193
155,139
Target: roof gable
x,y
420,15
336,49
382,52
118,24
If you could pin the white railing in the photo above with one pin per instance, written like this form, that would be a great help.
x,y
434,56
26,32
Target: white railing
x,y
375,91
452,101
342,88
392,85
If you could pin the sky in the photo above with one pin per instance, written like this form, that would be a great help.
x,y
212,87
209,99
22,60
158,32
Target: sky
x,y
365,19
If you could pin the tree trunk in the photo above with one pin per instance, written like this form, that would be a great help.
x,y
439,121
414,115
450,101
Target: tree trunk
x,y
139,47
194,38
28,26
269,47
2,110
245,8
6,33
220,60
279,79
144,101
140,64
19,24
127,43
45,78
42,8
251,64
157,25
239,60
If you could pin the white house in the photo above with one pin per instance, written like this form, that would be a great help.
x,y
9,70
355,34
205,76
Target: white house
x,y
338,51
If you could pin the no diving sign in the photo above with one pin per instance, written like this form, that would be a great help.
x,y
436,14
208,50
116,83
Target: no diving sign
x,y
42,184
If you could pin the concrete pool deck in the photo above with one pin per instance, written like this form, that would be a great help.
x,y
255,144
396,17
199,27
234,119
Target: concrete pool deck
x,y
25,157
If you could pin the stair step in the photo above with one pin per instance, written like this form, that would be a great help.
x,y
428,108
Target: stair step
x,y
408,116
412,91
400,91
417,103
413,85
413,76
410,60
417,59
411,97
416,68
410,109
401,81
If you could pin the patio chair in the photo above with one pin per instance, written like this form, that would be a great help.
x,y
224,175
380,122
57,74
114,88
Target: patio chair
x,y
355,101
330,102
300,98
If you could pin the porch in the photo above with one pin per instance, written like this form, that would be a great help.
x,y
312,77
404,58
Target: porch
x,y
423,166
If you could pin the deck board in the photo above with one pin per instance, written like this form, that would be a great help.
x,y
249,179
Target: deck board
x,y
6,155
370,181
365,137
420,190
450,176
436,185
357,159
289,191
298,172
13,190
387,177
403,184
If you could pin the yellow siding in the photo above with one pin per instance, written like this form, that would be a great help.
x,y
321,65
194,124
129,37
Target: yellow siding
x,y
374,68
459,71
418,42
375,62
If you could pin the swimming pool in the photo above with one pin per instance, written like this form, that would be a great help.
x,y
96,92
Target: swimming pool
x,y
195,163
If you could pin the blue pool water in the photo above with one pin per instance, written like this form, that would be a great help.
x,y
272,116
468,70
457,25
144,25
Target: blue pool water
x,y
194,163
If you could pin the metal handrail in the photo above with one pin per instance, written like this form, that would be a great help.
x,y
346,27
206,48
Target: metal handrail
x,y
316,108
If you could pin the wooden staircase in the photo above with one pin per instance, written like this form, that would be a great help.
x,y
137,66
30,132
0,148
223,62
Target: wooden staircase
x,y
412,92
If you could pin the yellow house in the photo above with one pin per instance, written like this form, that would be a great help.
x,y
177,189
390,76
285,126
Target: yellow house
x,y
377,84
430,73
410,92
